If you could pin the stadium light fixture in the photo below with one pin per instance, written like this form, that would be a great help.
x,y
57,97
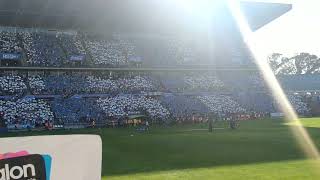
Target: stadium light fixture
x,y
301,135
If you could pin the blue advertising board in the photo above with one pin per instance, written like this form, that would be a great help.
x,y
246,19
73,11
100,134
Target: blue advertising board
x,y
77,58
10,56
135,59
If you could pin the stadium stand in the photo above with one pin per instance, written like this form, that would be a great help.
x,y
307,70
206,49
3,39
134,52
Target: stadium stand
x,y
159,51
302,82
69,84
12,85
37,84
9,42
124,105
298,104
114,51
221,104
258,101
183,106
26,113
71,43
73,47
203,82
256,81
72,111
62,49
42,49
77,97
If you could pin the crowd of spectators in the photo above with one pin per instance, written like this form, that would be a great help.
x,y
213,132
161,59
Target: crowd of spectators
x,y
121,106
55,49
256,81
74,48
121,84
76,110
12,84
121,95
115,51
100,85
127,47
256,101
298,104
203,82
9,42
221,104
183,106
123,100
26,113
79,84
71,43
165,51
65,84
36,83
42,49
136,83
179,51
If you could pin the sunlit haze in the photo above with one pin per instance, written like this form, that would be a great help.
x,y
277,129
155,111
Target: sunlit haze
x,y
301,135
294,32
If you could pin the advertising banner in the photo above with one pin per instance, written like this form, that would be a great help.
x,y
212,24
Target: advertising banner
x,y
10,56
77,58
51,158
135,59
277,115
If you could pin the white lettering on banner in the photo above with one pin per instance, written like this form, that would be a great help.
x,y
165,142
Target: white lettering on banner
x,y
17,172
77,58
10,56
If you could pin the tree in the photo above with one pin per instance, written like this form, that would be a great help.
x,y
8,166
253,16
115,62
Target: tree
x,y
303,63
306,63
281,65
274,61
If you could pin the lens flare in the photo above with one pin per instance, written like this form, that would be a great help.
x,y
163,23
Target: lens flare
x,y
301,135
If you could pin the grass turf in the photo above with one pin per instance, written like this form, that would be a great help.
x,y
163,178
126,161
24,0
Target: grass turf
x,y
263,149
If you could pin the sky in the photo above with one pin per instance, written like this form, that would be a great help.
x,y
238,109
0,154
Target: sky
x,y
296,31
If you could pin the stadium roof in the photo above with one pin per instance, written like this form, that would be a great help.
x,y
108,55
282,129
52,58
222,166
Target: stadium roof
x,y
117,15
259,14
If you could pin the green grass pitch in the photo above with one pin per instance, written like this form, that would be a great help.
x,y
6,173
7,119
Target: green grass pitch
x,y
262,149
